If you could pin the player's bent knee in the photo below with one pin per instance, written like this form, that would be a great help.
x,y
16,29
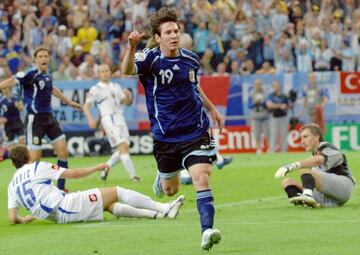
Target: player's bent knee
x,y
288,182
306,171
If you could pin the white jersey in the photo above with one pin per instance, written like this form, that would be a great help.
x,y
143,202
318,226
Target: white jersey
x,y
31,187
107,98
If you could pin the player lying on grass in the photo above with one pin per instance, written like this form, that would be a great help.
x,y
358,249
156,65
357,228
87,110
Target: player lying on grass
x,y
31,187
326,178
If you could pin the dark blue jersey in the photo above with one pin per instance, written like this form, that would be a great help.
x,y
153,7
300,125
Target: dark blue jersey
x,y
9,110
36,88
173,101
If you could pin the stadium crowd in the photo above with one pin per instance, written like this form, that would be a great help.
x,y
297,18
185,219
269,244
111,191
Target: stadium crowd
x,y
230,36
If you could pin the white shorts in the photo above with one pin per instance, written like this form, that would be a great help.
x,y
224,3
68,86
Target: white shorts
x,y
80,206
116,129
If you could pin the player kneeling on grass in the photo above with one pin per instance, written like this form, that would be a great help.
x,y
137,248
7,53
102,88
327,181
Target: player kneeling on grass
x,y
31,187
326,178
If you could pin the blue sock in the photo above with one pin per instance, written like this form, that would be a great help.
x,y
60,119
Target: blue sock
x,y
205,205
61,182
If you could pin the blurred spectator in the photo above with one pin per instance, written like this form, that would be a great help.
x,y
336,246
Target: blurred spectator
x,y
78,56
221,70
234,67
138,9
86,35
266,68
4,68
303,57
247,67
279,17
278,104
314,100
205,66
255,49
284,63
240,24
49,22
322,57
269,46
259,114
4,26
88,69
201,36
233,51
59,74
203,10
80,13
347,56
12,54
63,42
215,44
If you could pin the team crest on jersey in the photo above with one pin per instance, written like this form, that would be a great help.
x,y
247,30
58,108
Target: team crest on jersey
x,y
192,75
55,167
93,198
36,140
139,56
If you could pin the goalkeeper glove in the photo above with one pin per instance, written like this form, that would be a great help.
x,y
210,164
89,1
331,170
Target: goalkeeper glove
x,y
282,171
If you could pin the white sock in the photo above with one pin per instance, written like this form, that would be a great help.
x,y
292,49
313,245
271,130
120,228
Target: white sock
x,y
308,192
126,160
114,159
139,200
220,158
122,210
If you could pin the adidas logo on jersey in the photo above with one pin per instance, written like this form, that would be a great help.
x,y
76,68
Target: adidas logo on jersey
x,y
176,67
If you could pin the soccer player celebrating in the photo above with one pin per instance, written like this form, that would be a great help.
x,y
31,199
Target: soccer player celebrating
x,y
11,106
31,188
110,98
37,88
326,178
175,104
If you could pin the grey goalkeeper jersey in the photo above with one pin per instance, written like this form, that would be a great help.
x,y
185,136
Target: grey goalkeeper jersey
x,y
335,160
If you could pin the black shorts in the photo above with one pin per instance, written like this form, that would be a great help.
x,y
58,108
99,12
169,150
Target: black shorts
x,y
40,125
14,130
171,157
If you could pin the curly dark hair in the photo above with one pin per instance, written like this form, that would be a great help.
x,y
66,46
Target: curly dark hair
x,y
163,15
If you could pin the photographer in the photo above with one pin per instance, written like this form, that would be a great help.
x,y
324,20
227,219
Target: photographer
x,y
278,104
259,114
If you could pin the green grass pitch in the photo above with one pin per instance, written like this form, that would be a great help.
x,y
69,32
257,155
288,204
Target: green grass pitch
x,y
251,211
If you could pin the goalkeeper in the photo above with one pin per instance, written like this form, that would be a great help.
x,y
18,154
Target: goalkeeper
x,y
326,178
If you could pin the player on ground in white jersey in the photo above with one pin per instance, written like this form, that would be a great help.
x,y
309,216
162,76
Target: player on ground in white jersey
x,y
110,98
31,187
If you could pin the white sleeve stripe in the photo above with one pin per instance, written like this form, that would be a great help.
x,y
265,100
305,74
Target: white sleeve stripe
x,y
188,56
157,57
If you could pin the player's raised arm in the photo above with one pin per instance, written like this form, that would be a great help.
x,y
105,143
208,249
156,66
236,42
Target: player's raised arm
x,y
82,172
8,83
56,92
215,115
127,66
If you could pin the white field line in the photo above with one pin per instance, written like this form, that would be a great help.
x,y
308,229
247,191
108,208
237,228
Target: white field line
x,y
239,203
222,222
